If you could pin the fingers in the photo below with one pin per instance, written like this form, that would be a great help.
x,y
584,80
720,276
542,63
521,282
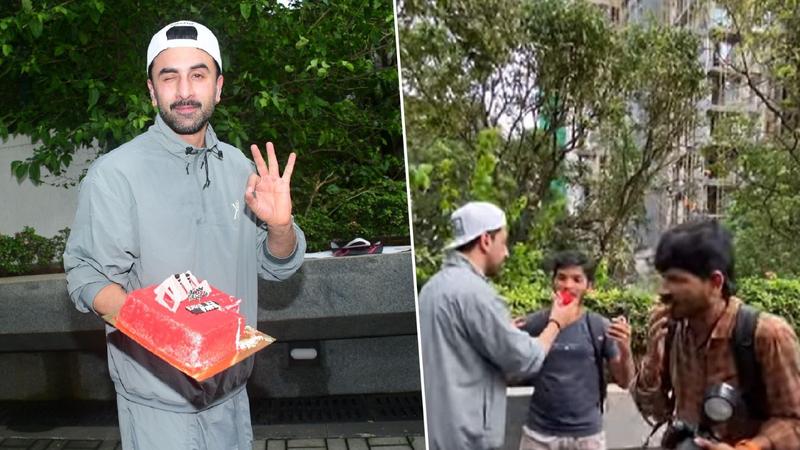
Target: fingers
x,y
565,314
272,160
619,334
287,172
270,167
657,340
658,314
620,328
703,443
658,326
249,190
261,167
519,322
660,334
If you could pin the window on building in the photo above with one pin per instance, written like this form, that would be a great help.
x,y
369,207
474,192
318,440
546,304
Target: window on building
x,y
719,17
716,90
712,200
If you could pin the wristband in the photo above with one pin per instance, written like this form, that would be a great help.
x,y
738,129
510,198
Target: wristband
x,y
555,322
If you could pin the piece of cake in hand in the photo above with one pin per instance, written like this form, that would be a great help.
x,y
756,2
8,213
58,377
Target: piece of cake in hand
x,y
184,321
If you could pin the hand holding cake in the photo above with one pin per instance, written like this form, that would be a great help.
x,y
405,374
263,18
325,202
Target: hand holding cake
x,y
185,321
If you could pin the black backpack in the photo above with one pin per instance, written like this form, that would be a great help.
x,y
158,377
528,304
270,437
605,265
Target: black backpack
x,y
748,369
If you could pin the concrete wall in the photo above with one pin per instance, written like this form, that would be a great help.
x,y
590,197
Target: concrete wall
x,y
46,208
357,312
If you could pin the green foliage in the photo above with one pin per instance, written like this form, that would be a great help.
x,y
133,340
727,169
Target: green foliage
x,y
380,210
635,304
317,78
26,251
499,95
765,160
427,264
777,296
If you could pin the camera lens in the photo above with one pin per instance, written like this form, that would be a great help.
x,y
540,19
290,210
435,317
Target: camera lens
x,y
718,409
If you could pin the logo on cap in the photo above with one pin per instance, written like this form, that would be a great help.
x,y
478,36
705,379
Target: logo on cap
x,y
458,226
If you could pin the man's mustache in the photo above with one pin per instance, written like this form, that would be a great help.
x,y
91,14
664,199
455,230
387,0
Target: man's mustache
x,y
180,103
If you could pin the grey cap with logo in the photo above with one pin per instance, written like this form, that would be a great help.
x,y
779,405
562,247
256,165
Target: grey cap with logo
x,y
472,220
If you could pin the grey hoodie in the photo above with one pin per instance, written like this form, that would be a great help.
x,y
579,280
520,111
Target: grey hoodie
x,y
155,206
469,348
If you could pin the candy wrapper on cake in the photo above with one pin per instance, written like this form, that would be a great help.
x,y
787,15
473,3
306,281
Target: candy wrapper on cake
x,y
190,324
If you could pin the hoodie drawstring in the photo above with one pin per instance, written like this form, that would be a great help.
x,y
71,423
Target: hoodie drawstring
x,y
204,164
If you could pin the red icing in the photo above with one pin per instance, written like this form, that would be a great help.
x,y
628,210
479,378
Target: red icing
x,y
196,341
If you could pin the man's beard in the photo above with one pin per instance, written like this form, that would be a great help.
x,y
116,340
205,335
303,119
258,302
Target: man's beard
x,y
493,271
177,122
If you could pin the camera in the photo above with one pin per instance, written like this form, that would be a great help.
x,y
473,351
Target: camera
x,y
719,405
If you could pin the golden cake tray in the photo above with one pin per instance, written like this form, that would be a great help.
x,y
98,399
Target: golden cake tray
x,y
253,339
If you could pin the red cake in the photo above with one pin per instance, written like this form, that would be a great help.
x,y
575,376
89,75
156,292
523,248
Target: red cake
x,y
184,321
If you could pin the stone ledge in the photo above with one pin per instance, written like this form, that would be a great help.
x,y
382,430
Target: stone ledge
x,y
330,298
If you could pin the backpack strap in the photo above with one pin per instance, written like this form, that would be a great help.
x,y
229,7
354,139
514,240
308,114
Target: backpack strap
x,y
666,370
748,369
595,323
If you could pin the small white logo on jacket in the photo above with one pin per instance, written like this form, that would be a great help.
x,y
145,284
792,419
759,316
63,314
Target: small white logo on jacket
x,y
235,206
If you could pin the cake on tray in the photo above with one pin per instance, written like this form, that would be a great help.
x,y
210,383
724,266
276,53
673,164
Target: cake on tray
x,y
184,321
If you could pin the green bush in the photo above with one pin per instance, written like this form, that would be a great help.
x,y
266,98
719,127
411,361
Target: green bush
x,y
778,296
378,211
634,303
26,252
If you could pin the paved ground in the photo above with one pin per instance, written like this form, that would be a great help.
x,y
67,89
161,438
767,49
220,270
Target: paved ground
x,y
354,422
384,443
625,429
342,436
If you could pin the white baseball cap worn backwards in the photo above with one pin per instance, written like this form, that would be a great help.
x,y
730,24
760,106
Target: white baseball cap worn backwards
x,y
184,33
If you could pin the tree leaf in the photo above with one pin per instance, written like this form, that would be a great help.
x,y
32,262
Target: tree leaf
x,y
94,95
244,9
347,65
21,170
33,173
36,26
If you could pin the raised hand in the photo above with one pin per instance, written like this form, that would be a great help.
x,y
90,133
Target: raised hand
x,y
620,331
267,193
657,329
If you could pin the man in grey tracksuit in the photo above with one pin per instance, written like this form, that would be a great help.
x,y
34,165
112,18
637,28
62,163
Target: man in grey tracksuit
x,y
469,345
173,199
